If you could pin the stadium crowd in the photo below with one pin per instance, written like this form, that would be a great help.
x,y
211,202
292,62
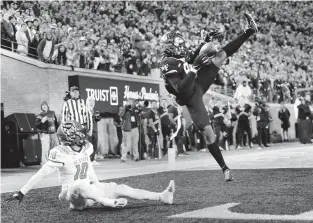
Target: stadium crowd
x,y
125,37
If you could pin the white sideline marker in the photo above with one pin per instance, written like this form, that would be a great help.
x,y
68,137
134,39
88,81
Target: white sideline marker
x,y
171,154
223,212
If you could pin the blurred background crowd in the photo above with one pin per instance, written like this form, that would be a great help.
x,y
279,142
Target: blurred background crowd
x,y
125,37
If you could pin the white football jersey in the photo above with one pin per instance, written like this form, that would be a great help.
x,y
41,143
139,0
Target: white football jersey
x,y
72,165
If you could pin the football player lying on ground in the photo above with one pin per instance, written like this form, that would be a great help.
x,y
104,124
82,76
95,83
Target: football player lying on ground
x,y
190,82
80,185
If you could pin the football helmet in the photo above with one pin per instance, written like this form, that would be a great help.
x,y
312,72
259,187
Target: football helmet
x,y
71,133
174,44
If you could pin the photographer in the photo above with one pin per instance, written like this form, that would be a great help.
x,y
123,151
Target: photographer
x,y
130,129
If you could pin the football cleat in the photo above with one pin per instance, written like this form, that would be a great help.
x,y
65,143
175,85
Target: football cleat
x,y
228,176
251,24
120,202
17,196
167,196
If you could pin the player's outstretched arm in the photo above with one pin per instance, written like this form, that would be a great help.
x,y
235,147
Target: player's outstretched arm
x,y
92,175
44,171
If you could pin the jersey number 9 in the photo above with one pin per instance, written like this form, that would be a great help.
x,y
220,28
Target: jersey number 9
x,y
81,172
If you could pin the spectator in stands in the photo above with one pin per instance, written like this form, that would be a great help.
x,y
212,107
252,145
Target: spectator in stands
x,y
22,40
8,34
284,116
60,56
131,62
47,125
141,25
130,129
242,94
45,48
33,46
29,31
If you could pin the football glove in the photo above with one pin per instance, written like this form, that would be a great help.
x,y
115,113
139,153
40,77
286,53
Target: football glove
x,y
213,35
17,196
200,61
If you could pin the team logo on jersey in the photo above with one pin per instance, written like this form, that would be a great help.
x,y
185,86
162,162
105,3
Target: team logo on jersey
x,y
113,96
164,67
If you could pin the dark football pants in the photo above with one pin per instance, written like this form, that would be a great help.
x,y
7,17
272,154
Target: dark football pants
x,y
262,135
196,108
240,134
166,132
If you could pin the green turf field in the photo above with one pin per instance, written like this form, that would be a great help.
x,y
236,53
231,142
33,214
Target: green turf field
x,y
272,191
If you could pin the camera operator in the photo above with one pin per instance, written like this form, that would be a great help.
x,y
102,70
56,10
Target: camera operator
x,y
130,129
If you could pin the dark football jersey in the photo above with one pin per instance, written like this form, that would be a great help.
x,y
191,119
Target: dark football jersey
x,y
173,71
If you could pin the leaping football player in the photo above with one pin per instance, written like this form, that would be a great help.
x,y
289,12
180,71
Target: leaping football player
x,y
80,185
188,77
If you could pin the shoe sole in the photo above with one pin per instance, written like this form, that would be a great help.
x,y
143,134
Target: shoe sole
x,y
250,20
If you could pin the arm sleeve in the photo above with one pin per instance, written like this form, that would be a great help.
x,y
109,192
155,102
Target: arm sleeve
x,y
44,171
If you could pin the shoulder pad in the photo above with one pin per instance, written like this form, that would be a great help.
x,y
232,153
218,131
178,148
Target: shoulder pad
x,y
58,154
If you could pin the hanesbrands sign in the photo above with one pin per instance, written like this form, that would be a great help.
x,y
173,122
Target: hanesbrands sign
x,y
109,94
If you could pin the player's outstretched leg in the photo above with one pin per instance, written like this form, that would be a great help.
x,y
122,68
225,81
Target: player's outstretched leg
x,y
80,192
166,196
216,152
233,46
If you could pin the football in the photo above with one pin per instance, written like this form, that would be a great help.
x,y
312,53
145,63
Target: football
x,y
209,49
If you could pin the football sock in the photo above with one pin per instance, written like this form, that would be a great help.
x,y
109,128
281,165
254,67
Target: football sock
x,y
216,153
233,46
139,194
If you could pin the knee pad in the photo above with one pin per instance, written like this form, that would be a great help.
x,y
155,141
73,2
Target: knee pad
x,y
209,134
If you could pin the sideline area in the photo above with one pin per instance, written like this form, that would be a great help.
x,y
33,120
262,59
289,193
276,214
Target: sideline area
x,y
284,155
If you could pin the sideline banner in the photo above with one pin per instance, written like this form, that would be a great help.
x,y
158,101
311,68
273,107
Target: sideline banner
x,y
110,94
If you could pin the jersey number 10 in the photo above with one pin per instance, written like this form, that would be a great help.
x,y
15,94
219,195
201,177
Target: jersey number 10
x,y
81,172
